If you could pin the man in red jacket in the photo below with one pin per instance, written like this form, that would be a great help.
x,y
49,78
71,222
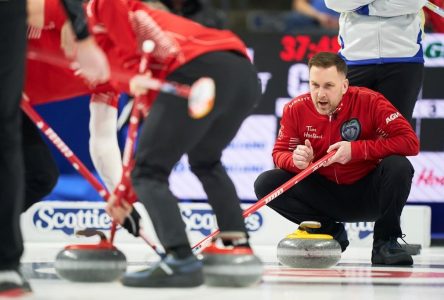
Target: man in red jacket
x,y
369,177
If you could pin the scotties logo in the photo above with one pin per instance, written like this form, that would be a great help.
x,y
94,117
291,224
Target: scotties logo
x,y
351,130
360,230
69,220
204,221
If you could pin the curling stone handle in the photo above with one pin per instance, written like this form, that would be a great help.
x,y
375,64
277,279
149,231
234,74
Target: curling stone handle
x,y
88,232
309,224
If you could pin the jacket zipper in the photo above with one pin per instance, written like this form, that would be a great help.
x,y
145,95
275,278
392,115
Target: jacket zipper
x,y
329,142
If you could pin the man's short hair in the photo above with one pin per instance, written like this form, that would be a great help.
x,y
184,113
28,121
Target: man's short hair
x,y
327,60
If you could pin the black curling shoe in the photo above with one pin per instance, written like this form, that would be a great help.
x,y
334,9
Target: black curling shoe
x,y
169,272
390,252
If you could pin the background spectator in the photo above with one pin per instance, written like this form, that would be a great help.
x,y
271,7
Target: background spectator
x,y
200,11
434,22
311,13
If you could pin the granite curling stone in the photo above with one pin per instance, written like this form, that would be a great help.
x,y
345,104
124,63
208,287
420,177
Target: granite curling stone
x,y
231,267
101,262
302,249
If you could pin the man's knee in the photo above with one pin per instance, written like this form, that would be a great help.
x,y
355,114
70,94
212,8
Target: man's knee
x,y
148,172
48,181
397,168
201,169
266,183
41,169
40,184
52,178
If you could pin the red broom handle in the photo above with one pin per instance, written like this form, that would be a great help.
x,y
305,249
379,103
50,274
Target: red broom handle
x,y
271,196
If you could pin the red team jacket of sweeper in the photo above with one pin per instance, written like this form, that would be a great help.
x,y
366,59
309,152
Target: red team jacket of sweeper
x,y
364,117
46,82
121,26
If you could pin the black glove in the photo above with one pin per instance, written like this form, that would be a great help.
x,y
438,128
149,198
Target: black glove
x,y
132,223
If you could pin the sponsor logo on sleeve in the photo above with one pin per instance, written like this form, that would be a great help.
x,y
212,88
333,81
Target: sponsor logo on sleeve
x,y
392,117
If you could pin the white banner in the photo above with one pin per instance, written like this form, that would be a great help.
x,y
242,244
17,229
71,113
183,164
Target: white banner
x,y
415,224
57,222
428,182
429,109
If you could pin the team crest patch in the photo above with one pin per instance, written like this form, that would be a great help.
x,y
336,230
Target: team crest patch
x,y
351,130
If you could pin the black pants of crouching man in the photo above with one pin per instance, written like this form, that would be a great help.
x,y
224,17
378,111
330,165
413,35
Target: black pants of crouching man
x,y
380,196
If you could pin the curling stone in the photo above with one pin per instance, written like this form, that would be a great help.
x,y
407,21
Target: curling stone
x,y
302,249
231,267
101,262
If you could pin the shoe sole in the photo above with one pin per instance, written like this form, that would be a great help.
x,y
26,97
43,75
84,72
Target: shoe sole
x,y
165,282
393,261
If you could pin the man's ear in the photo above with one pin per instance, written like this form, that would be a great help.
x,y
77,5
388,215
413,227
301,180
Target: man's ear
x,y
345,84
